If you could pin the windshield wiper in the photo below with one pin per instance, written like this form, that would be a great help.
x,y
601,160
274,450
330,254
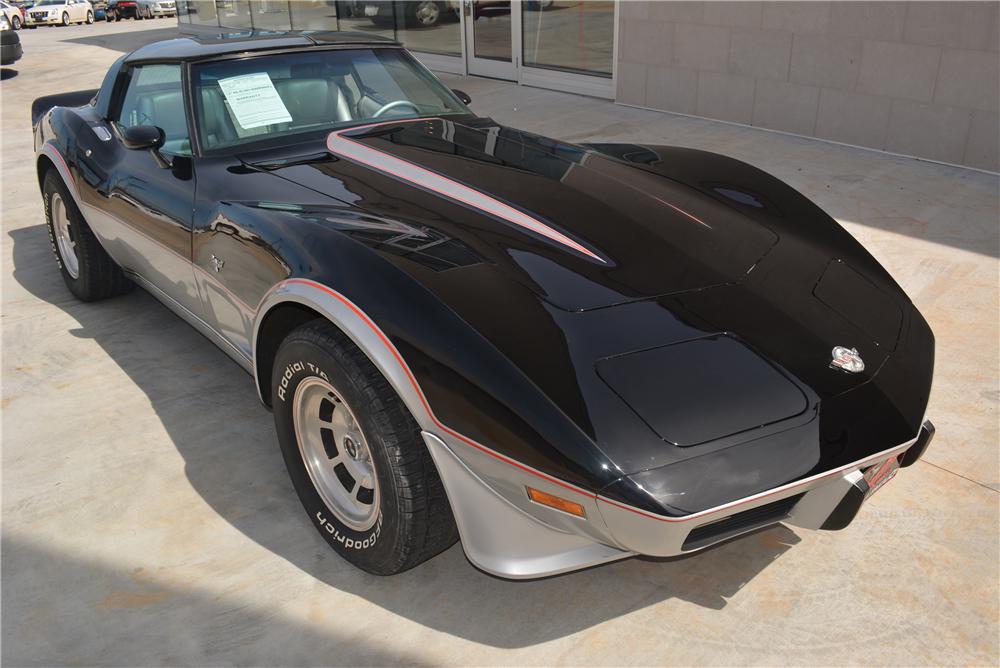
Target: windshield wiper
x,y
280,163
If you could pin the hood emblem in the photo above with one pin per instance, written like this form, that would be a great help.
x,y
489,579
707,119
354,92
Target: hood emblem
x,y
847,359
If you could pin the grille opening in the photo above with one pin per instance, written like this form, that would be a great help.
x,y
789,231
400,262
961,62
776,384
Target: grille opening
x,y
742,522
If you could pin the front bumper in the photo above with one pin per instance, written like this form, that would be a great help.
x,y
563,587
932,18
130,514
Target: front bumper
x,y
29,20
164,11
505,533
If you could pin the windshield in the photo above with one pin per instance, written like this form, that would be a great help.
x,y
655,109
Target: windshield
x,y
272,97
50,2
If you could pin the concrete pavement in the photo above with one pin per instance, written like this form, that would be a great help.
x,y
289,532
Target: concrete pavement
x,y
147,518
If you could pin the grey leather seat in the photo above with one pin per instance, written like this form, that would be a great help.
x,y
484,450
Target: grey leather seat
x,y
314,100
165,110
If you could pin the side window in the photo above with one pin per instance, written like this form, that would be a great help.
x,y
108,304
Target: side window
x,y
154,97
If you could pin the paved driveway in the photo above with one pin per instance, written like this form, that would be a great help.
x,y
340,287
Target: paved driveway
x,y
148,519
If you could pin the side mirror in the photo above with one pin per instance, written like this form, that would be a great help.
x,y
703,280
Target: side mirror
x,y
462,95
143,136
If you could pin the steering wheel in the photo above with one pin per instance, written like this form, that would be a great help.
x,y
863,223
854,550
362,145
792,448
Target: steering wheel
x,y
392,105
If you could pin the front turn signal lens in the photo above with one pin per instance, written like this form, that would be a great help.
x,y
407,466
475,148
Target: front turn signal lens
x,y
553,501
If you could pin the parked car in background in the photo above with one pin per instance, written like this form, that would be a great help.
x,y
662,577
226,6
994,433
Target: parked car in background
x,y
122,9
149,9
10,43
59,12
13,14
421,14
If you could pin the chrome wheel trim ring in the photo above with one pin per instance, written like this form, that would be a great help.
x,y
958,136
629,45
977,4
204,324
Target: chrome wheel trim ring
x,y
335,453
427,13
64,242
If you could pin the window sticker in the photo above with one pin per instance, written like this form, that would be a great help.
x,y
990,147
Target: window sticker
x,y
254,100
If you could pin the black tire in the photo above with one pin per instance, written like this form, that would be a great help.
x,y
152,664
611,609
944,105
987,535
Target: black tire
x,y
90,17
98,275
15,23
415,521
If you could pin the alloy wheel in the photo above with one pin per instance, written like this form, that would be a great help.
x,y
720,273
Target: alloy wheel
x,y
64,239
427,13
336,453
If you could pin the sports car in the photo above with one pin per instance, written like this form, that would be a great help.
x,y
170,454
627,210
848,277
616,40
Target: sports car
x,y
560,354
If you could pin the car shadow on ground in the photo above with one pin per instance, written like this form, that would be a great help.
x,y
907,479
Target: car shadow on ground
x,y
210,410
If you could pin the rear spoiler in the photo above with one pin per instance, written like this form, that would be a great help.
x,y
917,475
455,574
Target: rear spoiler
x,y
77,98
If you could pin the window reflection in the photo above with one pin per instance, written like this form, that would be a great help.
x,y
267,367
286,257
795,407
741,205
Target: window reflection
x,y
572,35
430,27
234,13
492,25
270,14
202,12
314,15
376,18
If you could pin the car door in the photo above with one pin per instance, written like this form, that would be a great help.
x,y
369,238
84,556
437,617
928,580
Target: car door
x,y
138,202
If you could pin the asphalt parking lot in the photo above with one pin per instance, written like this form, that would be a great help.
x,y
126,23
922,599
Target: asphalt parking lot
x,y
147,518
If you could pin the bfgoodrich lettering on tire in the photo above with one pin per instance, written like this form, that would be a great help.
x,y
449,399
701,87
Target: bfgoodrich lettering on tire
x,y
355,454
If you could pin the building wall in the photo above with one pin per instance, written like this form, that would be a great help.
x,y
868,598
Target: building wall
x,y
917,78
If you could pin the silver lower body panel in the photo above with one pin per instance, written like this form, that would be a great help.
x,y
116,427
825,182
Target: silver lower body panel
x,y
506,534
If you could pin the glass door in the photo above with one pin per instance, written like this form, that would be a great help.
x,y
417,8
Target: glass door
x,y
568,45
489,37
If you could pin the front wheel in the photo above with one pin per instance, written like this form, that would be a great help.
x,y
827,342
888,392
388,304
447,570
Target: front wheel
x,y
355,454
65,18
90,17
86,268
16,23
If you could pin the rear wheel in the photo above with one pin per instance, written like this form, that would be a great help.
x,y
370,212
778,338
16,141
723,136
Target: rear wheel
x,y
355,454
87,269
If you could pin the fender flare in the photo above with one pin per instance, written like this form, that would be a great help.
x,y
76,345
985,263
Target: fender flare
x,y
360,328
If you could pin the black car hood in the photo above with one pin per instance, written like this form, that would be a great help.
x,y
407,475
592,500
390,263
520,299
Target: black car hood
x,y
641,249
589,230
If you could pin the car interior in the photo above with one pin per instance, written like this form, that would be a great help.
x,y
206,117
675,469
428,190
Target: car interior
x,y
321,90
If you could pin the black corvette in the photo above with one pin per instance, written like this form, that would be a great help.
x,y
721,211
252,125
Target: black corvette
x,y
562,354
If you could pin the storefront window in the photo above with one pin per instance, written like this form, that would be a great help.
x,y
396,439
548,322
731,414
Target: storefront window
x,y
571,35
430,27
270,14
314,15
234,13
202,12
375,18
